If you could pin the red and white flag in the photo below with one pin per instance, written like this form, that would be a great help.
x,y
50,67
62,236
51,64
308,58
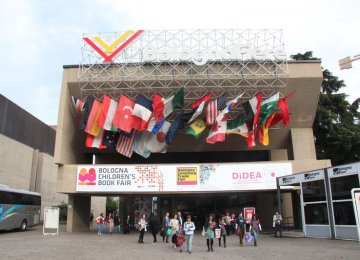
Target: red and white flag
x,y
95,141
157,142
107,113
92,125
217,132
125,143
123,115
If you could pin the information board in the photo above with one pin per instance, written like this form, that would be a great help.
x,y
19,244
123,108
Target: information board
x,y
51,221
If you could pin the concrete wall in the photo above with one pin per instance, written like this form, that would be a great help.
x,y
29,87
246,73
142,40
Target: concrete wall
x,y
22,167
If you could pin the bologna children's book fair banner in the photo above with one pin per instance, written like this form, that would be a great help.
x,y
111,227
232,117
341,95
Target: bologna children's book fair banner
x,y
180,177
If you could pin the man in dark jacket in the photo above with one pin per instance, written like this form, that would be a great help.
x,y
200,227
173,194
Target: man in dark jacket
x,y
165,226
154,226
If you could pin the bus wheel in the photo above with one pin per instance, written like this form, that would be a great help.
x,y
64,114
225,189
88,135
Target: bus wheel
x,y
23,225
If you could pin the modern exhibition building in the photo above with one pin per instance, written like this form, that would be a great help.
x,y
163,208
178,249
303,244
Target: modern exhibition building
x,y
220,149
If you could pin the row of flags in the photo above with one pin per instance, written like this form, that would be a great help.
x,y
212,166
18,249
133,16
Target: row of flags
x,y
142,126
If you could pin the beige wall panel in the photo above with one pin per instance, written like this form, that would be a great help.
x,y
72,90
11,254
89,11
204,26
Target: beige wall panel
x,y
303,143
15,163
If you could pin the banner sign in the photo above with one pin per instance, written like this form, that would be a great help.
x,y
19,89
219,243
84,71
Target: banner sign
x,y
179,178
344,170
248,214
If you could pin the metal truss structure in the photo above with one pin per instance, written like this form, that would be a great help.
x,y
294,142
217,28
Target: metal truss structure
x,y
130,73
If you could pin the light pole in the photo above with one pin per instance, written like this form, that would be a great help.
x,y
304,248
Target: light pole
x,y
345,63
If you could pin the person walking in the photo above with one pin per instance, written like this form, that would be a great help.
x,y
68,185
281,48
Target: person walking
x,y
111,223
91,218
174,224
209,227
241,227
142,227
233,223
189,228
154,226
255,228
277,221
127,225
227,221
166,226
223,234
99,222
117,223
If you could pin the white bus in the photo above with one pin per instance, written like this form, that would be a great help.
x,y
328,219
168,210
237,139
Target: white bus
x,y
19,209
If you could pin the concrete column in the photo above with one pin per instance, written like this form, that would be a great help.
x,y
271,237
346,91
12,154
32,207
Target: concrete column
x,y
78,213
34,169
279,155
303,146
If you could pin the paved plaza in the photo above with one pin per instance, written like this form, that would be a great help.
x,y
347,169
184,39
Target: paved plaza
x,y
32,244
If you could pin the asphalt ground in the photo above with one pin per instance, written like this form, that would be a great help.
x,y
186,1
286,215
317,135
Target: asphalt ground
x,y
32,244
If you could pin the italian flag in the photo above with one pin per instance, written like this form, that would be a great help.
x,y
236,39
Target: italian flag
x,y
163,107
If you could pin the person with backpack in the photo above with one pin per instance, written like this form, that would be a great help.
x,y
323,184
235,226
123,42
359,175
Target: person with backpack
x,y
189,228
99,222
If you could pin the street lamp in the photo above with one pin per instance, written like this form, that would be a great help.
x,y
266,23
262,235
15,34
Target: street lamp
x,y
345,63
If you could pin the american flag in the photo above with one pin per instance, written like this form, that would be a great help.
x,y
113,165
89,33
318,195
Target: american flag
x,y
213,107
125,143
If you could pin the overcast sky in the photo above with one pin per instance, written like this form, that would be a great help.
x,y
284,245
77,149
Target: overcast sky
x,y
39,37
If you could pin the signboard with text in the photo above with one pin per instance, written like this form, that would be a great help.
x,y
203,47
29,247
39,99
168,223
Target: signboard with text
x,y
248,214
180,177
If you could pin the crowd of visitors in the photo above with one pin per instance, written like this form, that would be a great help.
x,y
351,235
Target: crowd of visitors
x,y
182,231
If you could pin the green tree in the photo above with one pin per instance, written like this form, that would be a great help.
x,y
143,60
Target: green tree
x,y
112,204
336,125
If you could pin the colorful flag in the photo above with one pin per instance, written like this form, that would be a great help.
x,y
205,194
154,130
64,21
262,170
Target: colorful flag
x,y
198,102
176,125
197,112
123,115
140,144
252,110
95,141
157,142
196,128
214,107
107,113
267,108
164,107
92,123
237,126
154,127
229,107
125,143
88,103
78,103
217,133
141,113
110,139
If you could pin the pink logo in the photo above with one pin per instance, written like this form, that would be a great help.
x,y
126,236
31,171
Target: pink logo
x,y
87,177
246,175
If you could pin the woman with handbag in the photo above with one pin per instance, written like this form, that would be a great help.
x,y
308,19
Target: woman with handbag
x,y
142,227
174,224
255,228
209,228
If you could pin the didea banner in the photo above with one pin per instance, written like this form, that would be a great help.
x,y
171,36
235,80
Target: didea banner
x,y
179,178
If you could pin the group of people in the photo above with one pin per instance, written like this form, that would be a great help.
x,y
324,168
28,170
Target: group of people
x,y
112,222
182,231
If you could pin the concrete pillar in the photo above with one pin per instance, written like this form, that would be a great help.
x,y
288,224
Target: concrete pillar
x,y
122,211
78,213
34,169
287,208
303,146
264,208
279,155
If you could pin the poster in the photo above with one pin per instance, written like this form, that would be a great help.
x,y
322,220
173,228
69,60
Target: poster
x,y
248,214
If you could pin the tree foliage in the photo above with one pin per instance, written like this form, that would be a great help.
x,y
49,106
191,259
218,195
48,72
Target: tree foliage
x,y
336,126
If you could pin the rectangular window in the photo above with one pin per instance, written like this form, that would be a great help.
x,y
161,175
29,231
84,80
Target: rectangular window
x,y
341,186
344,213
316,214
314,191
